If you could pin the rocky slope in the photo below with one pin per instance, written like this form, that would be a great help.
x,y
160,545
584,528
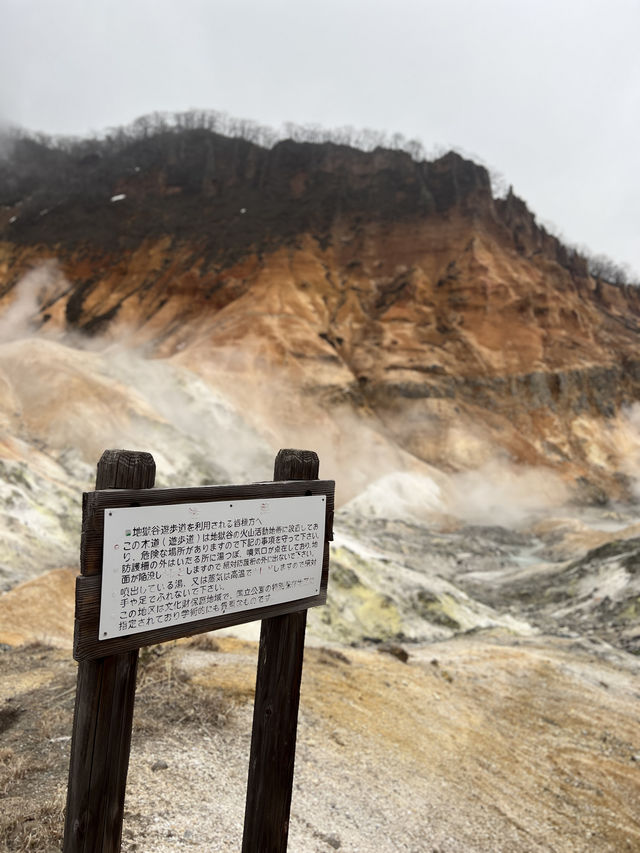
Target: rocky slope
x,y
402,293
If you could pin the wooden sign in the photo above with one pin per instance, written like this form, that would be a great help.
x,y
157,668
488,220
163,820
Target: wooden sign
x,y
153,540
158,564
172,564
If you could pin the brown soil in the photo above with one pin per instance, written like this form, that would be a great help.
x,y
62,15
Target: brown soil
x,y
481,743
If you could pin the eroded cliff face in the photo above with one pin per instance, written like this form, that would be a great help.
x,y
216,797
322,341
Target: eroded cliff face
x,y
401,292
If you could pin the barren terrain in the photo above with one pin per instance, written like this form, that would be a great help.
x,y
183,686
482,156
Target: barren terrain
x,y
474,736
473,683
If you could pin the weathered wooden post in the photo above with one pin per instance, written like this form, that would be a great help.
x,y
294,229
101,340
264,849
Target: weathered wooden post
x,y
275,714
160,564
103,716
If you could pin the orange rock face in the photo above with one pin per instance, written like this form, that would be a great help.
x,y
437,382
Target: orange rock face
x,y
401,292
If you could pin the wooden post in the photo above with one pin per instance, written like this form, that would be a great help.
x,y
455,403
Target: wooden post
x,y
275,713
103,717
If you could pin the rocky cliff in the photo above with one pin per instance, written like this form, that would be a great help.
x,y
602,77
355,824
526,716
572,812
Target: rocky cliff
x,y
402,292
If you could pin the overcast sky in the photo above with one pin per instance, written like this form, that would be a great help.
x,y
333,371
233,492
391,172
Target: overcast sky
x,y
546,92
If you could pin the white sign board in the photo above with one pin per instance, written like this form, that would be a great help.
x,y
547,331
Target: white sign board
x,y
168,565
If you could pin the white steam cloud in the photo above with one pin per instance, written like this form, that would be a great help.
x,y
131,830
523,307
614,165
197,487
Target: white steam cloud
x,y
498,493
501,493
40,285
217,416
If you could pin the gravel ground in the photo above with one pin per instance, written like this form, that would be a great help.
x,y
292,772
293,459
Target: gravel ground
x,y
483,744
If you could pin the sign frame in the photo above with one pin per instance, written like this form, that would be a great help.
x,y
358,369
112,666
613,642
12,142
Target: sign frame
x,y
88,646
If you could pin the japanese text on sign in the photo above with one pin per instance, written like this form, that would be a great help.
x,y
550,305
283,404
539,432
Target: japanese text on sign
x,y
168,565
